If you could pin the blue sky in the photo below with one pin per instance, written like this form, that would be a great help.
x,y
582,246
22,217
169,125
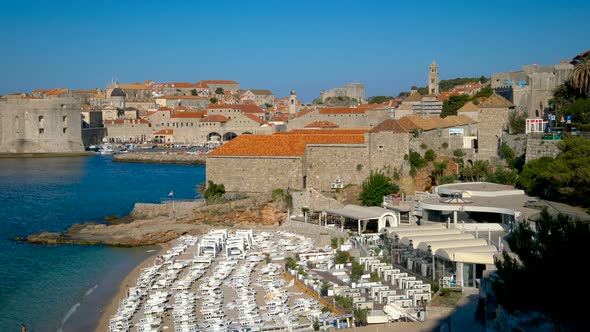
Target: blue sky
x,y
280,45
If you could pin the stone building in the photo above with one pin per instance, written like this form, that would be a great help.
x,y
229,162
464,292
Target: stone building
x,y
258,96
226,85
352,90
318,159
531,88
492,118
128,130
137,92
424,105
294,104
196,102
30,125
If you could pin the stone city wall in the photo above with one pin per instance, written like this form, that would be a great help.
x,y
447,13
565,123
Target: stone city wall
x,y
255,174
93,136
161,158
149,211
537,148
387,149
313,200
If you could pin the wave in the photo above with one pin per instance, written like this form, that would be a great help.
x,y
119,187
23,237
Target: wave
x,y
68,315
90,290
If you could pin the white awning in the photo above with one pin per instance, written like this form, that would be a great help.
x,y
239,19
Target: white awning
x,y
427,232
415,228
435,245
358,212
477,255
416,240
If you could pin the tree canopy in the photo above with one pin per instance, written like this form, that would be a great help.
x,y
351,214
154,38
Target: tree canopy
x,y
379,99
214,191
554,244
219,91
451,105
565,178
375,187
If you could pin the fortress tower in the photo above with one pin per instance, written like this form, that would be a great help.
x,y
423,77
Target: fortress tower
x,y
433,79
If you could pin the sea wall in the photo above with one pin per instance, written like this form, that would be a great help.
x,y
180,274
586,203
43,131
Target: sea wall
x,y
160,158
150,211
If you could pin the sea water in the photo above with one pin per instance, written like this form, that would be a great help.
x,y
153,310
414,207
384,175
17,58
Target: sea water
x,y
64,287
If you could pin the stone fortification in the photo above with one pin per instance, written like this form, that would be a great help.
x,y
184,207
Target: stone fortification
x,y
161,158
537,148
40,126
313,200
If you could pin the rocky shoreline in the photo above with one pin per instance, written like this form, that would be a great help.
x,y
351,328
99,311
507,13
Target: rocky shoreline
x,y
161,158
150,224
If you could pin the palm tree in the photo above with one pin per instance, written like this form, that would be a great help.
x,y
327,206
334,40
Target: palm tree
x,y
580,77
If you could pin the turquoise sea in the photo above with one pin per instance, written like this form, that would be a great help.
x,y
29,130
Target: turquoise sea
x,y
64,287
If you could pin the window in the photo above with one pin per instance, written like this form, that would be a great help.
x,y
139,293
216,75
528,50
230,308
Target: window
x,y
41,117
64,118
41,131
380,147
65,130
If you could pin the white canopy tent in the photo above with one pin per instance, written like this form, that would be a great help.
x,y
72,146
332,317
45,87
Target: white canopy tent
x,y
384,217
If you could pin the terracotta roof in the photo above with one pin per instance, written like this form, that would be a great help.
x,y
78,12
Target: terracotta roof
x,y
55,92
254,118
260,92
408,123
414,97
98,95
304,112
189,115
165,132
201,85
341,110
336,131
496,101
181,97
164,108
468,107
134,86
280,117
322,124
219,82
214,118
280,145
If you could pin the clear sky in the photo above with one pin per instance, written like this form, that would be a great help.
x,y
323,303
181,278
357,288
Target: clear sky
x,y
280,45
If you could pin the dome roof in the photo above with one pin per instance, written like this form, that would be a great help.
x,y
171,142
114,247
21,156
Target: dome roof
x,y
117,92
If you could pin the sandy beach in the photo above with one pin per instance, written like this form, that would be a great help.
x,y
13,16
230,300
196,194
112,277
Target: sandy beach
x,y
129,281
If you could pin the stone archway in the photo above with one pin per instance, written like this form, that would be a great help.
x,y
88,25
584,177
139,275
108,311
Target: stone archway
x,y
229,136
213,137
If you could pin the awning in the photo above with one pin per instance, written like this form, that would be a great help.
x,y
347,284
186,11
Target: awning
x,y
477,255
416,240
427,232
357,212
435,245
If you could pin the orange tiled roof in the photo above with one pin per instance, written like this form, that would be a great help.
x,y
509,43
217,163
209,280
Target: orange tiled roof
x,y
280,145
134,86
254,118
369,106
55,92
322,124
219,82
260,92
98,95
280,117
165,132
408,123
189,115
165,108
214,118
304,112
341,110
201,85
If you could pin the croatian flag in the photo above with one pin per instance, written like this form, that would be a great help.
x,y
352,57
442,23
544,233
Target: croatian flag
x,y
171,193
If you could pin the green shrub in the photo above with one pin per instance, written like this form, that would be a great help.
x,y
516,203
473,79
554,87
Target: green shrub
x,y
430,155
214,191
375,187
445,145
445,292
423,146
